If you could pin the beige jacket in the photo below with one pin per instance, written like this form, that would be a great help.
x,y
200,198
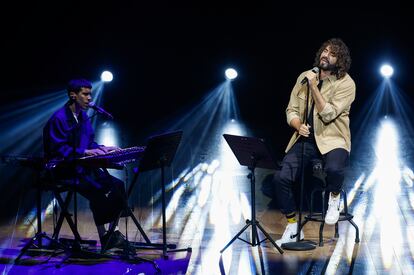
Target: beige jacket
x,y
331,126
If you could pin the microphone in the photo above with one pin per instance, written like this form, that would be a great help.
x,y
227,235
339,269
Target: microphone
x,y
315,70
100,110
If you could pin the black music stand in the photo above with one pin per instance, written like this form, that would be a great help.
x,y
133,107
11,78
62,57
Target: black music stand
x,y
253,153
159,153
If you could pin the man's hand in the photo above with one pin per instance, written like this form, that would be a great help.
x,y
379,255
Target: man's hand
x,y
108,149
94,152
101,150
313,78
304,130
301,128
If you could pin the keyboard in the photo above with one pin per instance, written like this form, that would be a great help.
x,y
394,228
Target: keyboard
x,y
115,159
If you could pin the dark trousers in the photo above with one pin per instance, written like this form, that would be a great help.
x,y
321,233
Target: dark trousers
x,y
335,163
106,194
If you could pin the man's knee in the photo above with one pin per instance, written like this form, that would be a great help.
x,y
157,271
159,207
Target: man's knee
x,y
117,184
283,179
335,171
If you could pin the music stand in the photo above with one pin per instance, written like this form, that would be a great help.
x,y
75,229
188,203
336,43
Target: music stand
x,y
253,153
159,153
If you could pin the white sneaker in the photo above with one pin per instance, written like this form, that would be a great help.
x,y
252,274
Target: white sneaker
x,y
289,234
332,215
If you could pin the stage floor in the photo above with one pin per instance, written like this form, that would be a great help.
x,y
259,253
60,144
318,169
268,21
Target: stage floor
x,y
206,209
386,247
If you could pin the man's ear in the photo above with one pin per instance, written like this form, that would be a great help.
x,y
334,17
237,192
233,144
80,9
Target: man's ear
x,y
72,96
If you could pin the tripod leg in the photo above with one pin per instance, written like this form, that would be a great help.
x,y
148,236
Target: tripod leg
x,y
33,240
255,235
269,238
254,229
130,211
114,224
236,236
28,245
139,227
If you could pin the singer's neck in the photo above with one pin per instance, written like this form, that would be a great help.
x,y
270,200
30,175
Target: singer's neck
x,y
324,74
75,108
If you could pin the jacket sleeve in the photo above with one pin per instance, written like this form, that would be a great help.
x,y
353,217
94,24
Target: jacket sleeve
x,y
292,110
343,96
58,140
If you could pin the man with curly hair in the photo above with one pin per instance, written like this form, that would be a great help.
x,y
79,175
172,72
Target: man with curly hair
x,y
323,133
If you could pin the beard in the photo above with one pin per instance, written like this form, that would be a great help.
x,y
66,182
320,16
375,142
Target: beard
x,y
326,66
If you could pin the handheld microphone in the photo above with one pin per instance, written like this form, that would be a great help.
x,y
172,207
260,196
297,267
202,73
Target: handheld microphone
x,y
315,70
100,110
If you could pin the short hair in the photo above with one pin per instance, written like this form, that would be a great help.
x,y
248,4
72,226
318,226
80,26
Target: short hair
x,y
342,54
75,85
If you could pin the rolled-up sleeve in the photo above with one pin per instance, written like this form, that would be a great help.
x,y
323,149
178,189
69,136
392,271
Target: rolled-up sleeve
x,y
293,108
290,115
341,101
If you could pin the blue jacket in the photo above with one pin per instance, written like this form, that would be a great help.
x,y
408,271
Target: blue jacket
x,y
65,138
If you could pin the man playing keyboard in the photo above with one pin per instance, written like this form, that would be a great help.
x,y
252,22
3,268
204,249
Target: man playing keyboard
x,y
69,135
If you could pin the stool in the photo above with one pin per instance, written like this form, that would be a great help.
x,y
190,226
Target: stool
x,y
57,187
344,215
42,184
45,181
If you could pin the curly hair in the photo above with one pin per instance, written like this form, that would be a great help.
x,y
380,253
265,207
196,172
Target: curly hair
x,y
341,51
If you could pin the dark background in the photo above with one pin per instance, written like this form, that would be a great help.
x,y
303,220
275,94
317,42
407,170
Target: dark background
x,y
165,58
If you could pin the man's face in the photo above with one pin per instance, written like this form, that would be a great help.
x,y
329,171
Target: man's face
x,y
83,97
327,60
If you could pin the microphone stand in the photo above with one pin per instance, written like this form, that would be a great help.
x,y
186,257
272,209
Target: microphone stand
x,y
301,245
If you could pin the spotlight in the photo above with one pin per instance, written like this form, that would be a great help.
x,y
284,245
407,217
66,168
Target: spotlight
x,y
107,76
386,70
230,73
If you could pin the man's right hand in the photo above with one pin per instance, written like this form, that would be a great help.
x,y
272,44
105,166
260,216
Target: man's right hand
x,y
301,128
304,130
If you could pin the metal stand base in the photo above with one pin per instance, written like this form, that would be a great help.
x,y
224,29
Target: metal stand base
x,y
299,246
